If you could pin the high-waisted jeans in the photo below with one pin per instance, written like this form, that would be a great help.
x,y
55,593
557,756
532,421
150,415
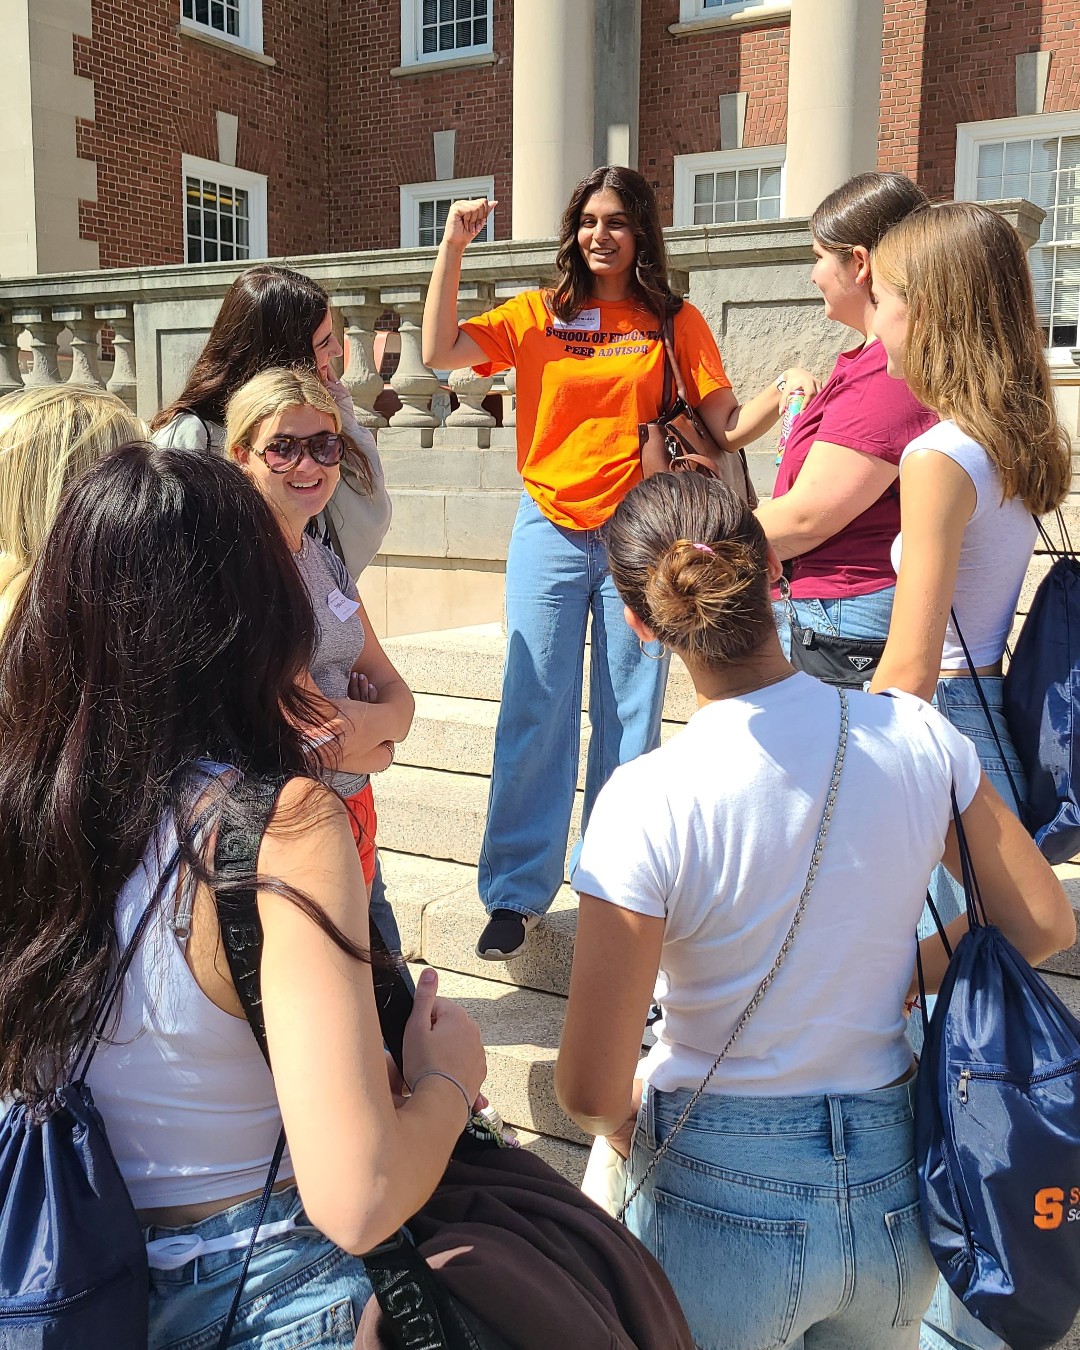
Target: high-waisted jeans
x,y
787,1221
555,580
300,1291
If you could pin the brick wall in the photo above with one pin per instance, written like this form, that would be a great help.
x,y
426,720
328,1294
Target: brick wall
x,y
682,78
156,95
381,125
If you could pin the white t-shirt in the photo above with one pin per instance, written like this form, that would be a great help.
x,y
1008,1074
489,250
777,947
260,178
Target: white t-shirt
x,y
713,832
994,552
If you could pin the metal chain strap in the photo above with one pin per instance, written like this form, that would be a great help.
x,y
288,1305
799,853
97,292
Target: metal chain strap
x,y
811,877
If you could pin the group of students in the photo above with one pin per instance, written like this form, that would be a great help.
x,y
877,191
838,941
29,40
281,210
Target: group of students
x,y
177,617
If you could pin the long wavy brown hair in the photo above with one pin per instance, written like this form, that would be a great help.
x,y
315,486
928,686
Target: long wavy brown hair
x,y
975,352
573,280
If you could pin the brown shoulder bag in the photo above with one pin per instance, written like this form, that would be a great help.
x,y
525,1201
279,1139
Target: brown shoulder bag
x,y
678,441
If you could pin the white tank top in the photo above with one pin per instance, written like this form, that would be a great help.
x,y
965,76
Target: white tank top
x,y
186,1096
994,552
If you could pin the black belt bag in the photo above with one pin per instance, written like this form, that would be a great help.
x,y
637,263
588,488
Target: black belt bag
x,y
841,661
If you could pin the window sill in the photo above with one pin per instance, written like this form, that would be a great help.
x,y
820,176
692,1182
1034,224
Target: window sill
x,y
223,44
451,63
757,17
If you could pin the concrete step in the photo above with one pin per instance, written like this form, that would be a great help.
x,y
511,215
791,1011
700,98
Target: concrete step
x,y
458,734
568,1159
440,917
468,663
438,814
521,1030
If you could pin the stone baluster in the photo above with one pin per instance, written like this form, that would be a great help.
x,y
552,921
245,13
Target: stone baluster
x,y
413,383
44,331
510,413
469,425
84,329
361,376
122,382
10,376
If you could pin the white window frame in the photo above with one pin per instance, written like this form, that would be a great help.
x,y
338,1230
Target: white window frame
x,y
971,135
225,175
695,11
250,36
412,46
457,189
687,167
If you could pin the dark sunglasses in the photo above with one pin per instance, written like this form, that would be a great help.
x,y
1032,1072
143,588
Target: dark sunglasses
x,y
284,452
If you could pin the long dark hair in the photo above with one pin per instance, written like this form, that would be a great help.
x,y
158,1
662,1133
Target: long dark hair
x,y
574,282
689,557
164,623
268,318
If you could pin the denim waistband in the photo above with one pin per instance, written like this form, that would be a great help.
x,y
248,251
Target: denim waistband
x,y
724,1114
959,691
284,1205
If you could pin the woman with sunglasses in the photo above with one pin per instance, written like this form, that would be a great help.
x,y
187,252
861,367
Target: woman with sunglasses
x,y
272,317
284,430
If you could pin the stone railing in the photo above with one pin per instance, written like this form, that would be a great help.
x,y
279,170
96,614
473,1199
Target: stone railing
x,y
453,479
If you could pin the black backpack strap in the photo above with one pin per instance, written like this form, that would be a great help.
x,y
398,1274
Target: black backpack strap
x,y
988,715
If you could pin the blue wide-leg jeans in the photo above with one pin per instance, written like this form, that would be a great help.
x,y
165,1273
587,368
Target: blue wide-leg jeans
x,y
555,580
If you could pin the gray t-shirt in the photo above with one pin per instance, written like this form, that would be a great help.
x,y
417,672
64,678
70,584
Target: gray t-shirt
x,y
340,638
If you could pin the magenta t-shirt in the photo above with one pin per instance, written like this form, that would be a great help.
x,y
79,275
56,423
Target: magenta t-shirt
x,y
863,407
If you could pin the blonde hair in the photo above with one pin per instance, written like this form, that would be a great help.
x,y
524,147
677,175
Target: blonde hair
x,y
48,436
975,351
275,391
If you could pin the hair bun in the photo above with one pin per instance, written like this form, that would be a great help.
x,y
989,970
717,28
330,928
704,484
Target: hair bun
x,y
694,584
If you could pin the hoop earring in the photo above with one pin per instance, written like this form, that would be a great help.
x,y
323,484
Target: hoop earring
x,y
659,657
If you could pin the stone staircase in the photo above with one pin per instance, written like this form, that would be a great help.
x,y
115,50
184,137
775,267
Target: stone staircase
x,y
432,806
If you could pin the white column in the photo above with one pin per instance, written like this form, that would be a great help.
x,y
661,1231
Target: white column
x,y
834,90
84,345
412,381
44,331
553,109
10,376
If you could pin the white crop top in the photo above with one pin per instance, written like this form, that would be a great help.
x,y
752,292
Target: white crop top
x,y
186,1096
994,553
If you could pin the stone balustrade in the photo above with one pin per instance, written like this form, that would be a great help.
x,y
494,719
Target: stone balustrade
x,y
453,478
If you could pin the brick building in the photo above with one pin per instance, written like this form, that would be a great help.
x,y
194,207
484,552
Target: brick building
x,y
202,130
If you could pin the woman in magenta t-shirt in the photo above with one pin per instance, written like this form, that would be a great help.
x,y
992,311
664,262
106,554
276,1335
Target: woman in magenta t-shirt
x,y
835,509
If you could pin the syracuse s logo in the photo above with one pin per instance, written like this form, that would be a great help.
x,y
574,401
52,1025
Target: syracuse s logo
x,y
1049,1207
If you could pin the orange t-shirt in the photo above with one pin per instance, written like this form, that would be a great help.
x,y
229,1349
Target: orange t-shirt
x,y
582,389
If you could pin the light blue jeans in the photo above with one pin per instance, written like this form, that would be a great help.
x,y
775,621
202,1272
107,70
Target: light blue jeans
x,y
787,1221
555,579
854,616
300,1291
947,1324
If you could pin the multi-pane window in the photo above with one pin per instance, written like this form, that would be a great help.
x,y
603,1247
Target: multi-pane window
x,y
1037,158
431,219
737,194
223,16
425,206
1045,170
218,222
449,26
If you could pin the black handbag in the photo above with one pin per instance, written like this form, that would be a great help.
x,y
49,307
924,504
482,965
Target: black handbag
x,y
418,1310
845,662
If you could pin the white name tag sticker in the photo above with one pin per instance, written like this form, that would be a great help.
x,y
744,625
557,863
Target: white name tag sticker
x,y
585,321
341,606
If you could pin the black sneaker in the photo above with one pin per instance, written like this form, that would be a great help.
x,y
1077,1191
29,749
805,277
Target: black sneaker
x,y
505,936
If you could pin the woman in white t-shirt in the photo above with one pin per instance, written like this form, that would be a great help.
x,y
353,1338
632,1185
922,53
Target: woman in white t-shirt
x,y
956,316
787,1206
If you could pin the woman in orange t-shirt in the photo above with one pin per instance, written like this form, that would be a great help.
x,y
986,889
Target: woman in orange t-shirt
x,y
590,368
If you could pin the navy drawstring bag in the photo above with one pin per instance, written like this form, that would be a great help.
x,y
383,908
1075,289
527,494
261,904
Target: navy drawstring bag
x,y
997,1135
1041,693
73,1266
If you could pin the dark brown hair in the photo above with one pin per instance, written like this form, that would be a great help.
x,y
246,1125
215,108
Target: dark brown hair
x,y
268,318
974,350
863,209
689,558
163,624
574,281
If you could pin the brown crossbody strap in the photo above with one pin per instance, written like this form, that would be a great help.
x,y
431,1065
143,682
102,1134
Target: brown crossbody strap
x,y
751,1007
